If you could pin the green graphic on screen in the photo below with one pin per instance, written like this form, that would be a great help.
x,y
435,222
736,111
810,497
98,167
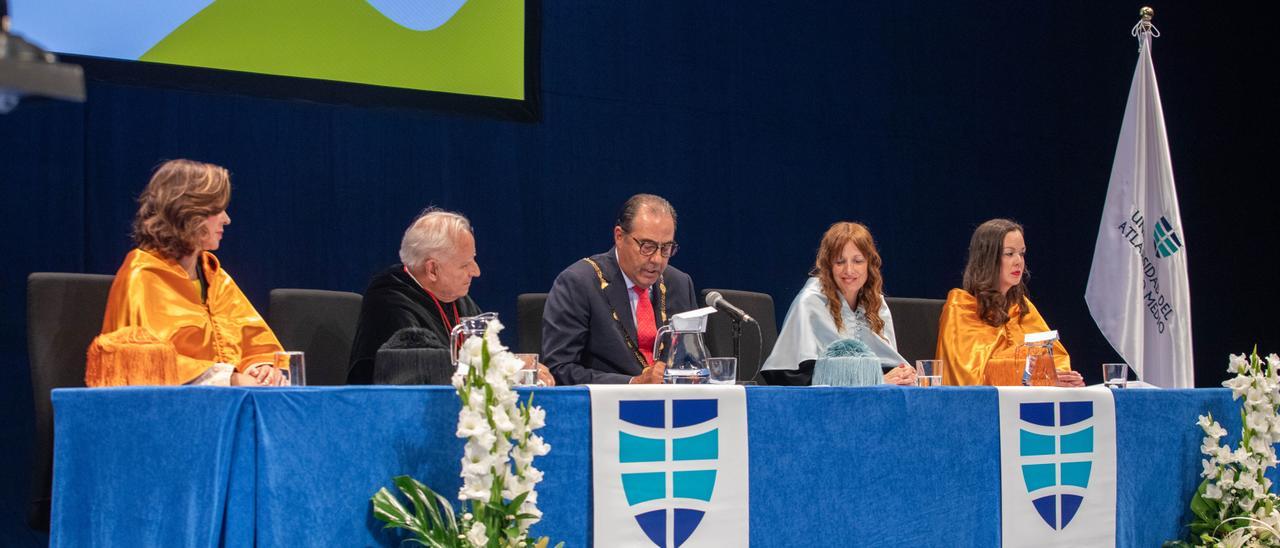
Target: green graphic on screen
x,y
473,47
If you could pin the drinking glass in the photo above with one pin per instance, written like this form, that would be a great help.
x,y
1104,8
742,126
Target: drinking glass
x,y
928,372
293,366
528,375
722,370
1115,375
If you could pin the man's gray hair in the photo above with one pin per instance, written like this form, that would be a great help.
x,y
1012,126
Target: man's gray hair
x,y
431,234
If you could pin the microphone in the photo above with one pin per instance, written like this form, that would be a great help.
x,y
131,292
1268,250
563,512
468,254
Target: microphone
x,y
715,299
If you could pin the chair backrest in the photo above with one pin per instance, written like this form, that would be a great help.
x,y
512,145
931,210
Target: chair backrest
x,y
529,321
64,314
915,322
754,347
320,323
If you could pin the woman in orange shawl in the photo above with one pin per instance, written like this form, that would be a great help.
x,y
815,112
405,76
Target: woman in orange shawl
x,y
174,316
983,324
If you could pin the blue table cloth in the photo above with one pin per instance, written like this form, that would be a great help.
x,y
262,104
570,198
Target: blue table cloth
x,y
204,466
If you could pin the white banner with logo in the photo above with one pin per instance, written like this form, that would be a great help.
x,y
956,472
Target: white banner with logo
x,y
1138,291
669,465
1057,466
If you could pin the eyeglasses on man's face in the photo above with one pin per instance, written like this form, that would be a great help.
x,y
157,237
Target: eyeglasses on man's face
x,y
649,247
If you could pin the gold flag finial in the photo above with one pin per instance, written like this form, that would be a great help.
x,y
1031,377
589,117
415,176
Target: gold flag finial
x,y
1147,13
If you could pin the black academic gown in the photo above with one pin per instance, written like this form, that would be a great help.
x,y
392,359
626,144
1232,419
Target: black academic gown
x,y
394,301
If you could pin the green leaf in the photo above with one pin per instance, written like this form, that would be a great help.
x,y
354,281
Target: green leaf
x,y
387,507
452,525
516,502
422,506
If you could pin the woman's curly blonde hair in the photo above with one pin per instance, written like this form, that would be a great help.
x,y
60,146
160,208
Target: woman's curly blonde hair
x,y
173,207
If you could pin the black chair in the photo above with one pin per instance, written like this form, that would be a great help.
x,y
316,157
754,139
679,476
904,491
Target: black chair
x,y
529,308
915,322
320,323
64,314
755,347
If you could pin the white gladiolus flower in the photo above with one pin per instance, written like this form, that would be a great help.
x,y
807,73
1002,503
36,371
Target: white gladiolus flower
x,y
491,336
515,487
471,423
1212,491
537,418
1210,468
537,446
1238,385
521,456
1237,364
500,419
476,536
500,446
530,505
533,475
1258,423
486,440
475,400
497,381
475,489
476,460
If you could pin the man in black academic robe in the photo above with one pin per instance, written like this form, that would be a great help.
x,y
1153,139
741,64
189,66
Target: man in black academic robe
x,y
395,301
427,290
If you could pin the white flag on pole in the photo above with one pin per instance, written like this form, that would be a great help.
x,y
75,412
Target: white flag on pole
x,y
1138,290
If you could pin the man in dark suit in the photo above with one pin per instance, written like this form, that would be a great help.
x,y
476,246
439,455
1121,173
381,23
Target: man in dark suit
x,y
603,312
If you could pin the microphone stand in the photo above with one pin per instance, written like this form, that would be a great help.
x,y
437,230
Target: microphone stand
x,y
737,340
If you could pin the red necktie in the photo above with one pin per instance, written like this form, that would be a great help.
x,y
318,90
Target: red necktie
x,y
646,330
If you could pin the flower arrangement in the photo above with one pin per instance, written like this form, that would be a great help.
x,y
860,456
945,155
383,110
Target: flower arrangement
x,y
1233,506
499,501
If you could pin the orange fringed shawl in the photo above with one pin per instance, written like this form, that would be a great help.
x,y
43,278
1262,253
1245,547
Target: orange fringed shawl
x,y
130,355
155,294
976,352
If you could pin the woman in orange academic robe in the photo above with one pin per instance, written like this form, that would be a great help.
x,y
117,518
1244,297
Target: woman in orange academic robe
x,y
172,292
983,324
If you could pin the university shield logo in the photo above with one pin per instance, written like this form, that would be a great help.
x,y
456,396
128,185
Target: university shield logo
x,y
669,466
681,436
1055,446
1166,239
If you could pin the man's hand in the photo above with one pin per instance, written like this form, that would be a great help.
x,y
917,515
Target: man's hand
x,y
544,376
651,375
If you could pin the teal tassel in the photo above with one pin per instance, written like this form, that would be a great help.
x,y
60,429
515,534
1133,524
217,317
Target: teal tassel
x,y
848,371
846,348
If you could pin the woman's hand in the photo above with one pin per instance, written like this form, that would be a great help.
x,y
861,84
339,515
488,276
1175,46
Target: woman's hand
x,y
1069,379
264,374
902,375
